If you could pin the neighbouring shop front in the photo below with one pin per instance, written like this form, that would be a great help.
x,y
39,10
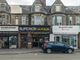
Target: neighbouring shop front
x,y
66,34
8,37
33,36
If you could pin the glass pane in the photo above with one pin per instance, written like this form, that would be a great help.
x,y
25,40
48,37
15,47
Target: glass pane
x,y
77,20
59,20
53,21
13,42
73,41
65,40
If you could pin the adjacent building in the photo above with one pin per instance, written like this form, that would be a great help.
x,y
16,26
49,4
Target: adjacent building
x,y
23,26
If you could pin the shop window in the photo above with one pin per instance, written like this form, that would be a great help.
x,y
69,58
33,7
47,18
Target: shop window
x,y
69,40
13,42
57,39
73,40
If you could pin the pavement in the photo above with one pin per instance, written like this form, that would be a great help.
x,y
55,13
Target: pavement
x,y
23,51
19,51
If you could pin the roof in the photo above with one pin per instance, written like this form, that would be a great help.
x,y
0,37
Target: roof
x,y
73,9
3,1
37,2
58,2
26,8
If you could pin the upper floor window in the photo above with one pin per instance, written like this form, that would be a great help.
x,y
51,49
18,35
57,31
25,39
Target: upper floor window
x,y
37,20
58,8
3,5
78,20
70,20
37,8
17,20
24,20
58,20
2,20
53,20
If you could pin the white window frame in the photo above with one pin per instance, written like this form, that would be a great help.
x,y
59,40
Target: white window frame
x,y
77,20
37,20
17,21
53,20
59,20
70,20
24,21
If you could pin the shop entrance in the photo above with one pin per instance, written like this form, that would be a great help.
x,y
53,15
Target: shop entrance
x,y
57,38
23,41
65,40
38,40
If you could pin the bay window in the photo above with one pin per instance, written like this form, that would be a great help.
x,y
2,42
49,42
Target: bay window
x,y
17,21
58,20
70,20
37,20
53,20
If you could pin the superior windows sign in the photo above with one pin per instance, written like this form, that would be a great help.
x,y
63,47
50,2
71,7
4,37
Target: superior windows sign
x,y
34,29
65,29
8,28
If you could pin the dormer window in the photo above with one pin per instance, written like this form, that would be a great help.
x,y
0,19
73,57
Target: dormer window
x,y
58,8
37,8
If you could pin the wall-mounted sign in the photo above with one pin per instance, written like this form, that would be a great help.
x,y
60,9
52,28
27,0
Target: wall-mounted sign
x,y
65,29
8,28
34,29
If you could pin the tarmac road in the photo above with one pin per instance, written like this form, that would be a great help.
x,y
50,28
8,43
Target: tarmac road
x,y
41,56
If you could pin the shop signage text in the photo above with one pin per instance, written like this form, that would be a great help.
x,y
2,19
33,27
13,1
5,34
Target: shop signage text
x,y
8,28
65,29
34,29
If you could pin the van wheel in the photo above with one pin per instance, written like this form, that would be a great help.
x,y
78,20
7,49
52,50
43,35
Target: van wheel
x,y
49,51
69,51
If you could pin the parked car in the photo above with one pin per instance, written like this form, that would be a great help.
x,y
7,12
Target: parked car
x,y
50,47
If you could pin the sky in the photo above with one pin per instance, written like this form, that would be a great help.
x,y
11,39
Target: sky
x,y
49,2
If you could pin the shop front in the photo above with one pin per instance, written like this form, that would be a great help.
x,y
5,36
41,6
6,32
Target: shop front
x,y
66,34
33,36
8,37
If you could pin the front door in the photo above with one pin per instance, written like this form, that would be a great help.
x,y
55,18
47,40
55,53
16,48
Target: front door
x,y
37,40
23,41
57,38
